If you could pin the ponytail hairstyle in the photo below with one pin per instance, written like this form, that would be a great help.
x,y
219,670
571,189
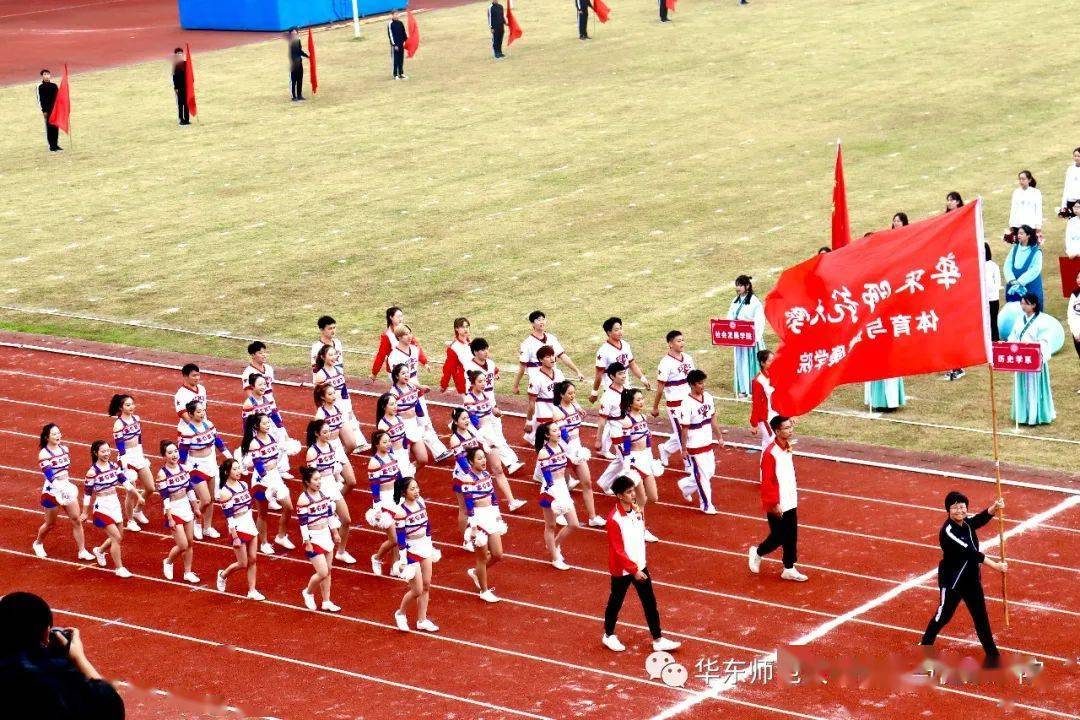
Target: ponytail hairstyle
x,y
251,428
560,390
473,375
627,399
117,403
255,377
313,429
748,283
319,394
94,447
401,486
375,438
191,407
543,432
455,415
306,474
380,406
390,312
1030,177
320,357
224,471
396,371
471,453
763,355
43,440
163,447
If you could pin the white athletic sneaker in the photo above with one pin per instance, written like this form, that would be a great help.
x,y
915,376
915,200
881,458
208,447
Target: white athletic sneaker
x,y
83,554
427,626
516,504
573,483
285,542
446,455
167,569
141,517
192,578
123,572
266,549
219,583
330,607
597,521
468,546
511,469
99,555
198,531
490,596
665,456
39,550
754,560
711,511
395,570
611,642
286,475
345,557
559,564
649,537
665,645
309,600
272,503
471,572
401,621
255,595
211,533
608,455
376,565
132,525
362,447
793,574
560,521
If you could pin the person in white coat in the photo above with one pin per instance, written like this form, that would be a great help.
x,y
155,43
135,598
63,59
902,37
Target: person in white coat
x,y
1026,208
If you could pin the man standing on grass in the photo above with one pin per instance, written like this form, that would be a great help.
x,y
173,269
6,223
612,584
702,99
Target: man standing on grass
x,y
497,23
583,7
179,83
395,30
779,499
47,91
296,65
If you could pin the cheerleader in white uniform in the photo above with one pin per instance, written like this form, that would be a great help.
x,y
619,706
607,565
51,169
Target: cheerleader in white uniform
x,y
102,480
388,420
260,452
551,459
482,363
127,434
260,400
172,483
383,471
633,442
566,419
416,554
57,491
326,409
463,437
315,513
407,394
234,496
481,411
328,370
327,460
486,526
406,352
199,442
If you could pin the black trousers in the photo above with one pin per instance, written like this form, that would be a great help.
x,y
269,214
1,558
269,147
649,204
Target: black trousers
x,y
1076,344
52,135
398,55
783,532
497,41
181,106
663,9
583,24
972,594
296,81
619,586
995,306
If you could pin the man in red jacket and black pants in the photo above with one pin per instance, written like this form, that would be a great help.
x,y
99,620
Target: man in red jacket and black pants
x,y
779,499
626,558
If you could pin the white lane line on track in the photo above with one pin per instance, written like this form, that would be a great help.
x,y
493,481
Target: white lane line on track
x,y
854,615
820,456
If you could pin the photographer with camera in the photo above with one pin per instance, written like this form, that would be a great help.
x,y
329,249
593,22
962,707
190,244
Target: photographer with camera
x,y
44,672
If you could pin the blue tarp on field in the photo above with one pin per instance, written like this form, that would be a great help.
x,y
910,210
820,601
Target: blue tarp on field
x,y
274,14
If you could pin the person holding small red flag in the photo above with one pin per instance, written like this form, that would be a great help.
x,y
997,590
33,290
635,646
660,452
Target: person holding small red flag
x,y
47,91
296,65
179,82
395,30
583,7
497,23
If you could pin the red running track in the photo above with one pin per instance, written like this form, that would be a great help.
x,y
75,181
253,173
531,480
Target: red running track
x,y
537,652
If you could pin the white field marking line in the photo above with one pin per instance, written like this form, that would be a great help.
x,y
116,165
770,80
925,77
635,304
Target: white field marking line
x,y
225,335
296,661
432,636
61,8
367,393
853,615
675,586
447,588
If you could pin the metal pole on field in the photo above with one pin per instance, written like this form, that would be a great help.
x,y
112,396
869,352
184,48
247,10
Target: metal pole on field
x,y
997,477
355,20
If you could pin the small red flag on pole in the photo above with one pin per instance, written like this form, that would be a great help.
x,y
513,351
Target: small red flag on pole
x,y
61,111
311,57
413,31
841,225
602,10
512,23
189,81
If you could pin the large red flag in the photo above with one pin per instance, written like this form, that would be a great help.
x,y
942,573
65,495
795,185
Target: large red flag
x,y
512,23
311,62
61,111
670,5
841,225
189,81
413,31
602,10
901,302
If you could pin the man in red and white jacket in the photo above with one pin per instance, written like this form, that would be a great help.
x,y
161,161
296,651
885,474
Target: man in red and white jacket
x,y
779,499
626,559
761,390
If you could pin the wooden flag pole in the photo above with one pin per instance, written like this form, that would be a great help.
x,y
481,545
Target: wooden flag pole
x,y
997,477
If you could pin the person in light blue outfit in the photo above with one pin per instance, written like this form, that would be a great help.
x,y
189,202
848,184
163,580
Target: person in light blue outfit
x,y
1023,266
887,395
1032,401
746,306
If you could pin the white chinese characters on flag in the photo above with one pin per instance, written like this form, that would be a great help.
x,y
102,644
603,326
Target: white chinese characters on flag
x,y
900,302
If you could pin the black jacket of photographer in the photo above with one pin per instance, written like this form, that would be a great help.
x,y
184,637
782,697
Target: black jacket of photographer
x,y
43,684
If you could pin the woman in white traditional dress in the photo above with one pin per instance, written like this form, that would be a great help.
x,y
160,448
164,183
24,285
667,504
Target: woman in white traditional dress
x,y
746,306
1026,208
1032,401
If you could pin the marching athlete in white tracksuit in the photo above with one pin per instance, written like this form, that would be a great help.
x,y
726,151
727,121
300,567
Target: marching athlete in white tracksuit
x,y
671,385
697,425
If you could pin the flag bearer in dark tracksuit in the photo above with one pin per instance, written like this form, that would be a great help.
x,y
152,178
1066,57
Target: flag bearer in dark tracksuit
x,y
395,30
959,577
583,7
497,23
296,65
47,98
179,83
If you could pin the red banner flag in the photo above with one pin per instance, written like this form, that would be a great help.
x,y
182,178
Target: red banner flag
x,y
311,62
413,31
670,5
189,81
602,10
512,23
61,111
902,302
841,225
